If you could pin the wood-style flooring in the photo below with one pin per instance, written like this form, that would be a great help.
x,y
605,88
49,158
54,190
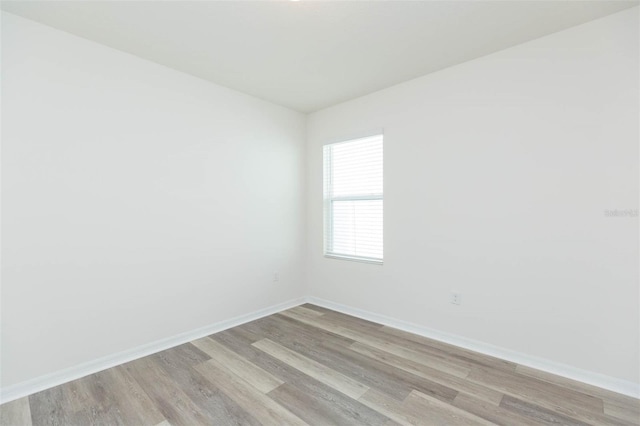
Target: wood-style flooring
x,y
310,365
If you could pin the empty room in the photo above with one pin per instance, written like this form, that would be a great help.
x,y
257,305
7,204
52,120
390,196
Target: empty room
x,y
320,213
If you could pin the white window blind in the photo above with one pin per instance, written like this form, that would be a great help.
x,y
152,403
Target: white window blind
x,y
353,199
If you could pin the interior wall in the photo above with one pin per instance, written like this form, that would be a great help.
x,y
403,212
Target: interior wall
x,y
138,202
499,173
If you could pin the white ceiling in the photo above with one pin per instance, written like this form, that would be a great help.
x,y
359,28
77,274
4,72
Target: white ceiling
x,y
308,55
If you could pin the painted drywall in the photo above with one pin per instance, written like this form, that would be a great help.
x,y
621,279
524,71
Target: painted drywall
x,y
498,176
138,202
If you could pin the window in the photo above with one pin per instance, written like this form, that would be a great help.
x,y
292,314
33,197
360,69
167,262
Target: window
x,y
353,201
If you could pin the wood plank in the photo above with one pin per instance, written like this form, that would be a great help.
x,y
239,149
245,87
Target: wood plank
x,y
326,399
317,410
166,394
131,390
185,355
398,347
326,350
244,369
52,407
279,328
78,394
372,373
628,411
212,400
411,381
435,411
538,413
616,405
465,356
318,371
391,408
92,401
574,385
491,412
443,351
420,370
309,313
243,346
522,386
247,396
16,412
120,399
566,402
107,397
376,342
351,322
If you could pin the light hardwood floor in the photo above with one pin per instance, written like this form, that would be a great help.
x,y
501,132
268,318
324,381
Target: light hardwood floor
x,y
310,365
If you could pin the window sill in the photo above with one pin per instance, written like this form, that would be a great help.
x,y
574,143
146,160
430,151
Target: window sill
x,y
355,259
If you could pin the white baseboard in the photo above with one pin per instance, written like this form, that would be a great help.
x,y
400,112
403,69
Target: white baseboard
x,y
596,379
56,378
38,384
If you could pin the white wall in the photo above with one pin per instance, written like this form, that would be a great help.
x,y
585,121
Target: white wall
x,y
138,202
497,175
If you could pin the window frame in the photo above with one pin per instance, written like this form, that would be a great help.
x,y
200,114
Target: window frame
x,y
329,199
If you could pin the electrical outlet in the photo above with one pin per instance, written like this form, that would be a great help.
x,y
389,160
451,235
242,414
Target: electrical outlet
x,y
276,277
456,298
